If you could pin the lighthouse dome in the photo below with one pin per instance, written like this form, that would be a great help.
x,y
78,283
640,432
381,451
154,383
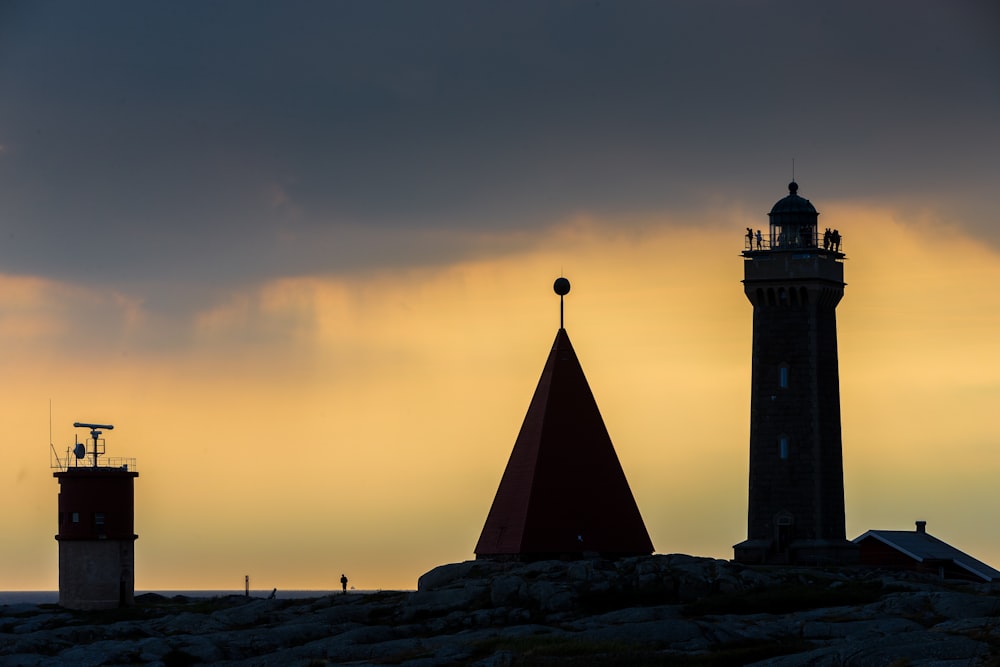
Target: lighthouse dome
x,y
793,222
793,203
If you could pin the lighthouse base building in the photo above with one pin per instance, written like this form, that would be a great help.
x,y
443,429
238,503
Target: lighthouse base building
x,y
96,575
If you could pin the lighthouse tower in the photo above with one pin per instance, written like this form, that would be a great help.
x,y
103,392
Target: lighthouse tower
x,y
96,532
794,277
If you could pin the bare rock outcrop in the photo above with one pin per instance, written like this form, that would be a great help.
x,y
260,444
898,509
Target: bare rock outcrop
x,y
649,610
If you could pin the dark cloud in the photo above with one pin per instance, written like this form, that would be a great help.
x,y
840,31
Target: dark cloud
x,y
164,144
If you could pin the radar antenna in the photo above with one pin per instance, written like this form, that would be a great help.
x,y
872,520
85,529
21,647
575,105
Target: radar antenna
x,y
95,433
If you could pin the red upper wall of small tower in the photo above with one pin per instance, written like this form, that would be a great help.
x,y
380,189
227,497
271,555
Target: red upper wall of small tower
x,y
96,503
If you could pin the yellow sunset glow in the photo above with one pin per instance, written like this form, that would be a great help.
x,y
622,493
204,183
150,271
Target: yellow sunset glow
x,y
324,424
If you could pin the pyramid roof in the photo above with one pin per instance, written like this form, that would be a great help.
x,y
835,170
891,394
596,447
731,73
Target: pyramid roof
x,y
563,492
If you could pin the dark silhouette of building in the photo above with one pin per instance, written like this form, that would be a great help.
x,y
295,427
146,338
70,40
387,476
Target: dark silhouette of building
x,y
796,499
920,551
96,527
563,493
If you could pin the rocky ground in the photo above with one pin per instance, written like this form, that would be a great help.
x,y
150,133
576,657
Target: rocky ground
x,y
656,610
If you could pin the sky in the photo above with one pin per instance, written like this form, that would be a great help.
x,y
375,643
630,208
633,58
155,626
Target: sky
x,y
301,256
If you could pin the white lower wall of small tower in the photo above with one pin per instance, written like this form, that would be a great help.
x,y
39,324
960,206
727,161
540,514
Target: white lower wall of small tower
x,y
96,574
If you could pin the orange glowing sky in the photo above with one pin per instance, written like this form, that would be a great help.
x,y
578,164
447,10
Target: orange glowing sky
x,y
367,430
311,287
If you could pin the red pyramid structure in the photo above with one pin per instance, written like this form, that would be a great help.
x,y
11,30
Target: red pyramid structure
x,y
563,493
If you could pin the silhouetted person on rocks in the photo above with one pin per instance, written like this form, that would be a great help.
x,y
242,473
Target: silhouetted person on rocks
x,y
343,582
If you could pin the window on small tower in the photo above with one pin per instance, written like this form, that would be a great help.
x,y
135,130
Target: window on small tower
x,y
783,448
783,376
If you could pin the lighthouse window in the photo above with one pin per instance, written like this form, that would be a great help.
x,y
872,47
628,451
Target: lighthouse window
x,y
783,377
98,518
75,517
783,448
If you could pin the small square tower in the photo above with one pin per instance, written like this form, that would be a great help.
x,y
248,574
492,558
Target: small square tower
x,y
96,526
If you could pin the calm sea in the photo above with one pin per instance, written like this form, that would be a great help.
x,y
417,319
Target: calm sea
x,y
52,597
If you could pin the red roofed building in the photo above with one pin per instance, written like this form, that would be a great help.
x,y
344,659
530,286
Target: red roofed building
x,y
563,493
921,552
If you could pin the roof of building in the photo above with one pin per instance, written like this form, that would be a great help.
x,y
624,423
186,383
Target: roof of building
x,y
563,491
793,203
924,547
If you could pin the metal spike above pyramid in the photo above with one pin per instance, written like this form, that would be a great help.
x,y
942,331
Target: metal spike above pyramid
x,y
563,493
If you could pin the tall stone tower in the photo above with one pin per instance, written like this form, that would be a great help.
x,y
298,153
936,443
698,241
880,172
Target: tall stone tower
x,y
794,277
96,524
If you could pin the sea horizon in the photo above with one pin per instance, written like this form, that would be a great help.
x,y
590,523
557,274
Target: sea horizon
x,y
52,597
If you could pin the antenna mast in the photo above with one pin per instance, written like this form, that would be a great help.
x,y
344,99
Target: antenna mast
x,y
561,287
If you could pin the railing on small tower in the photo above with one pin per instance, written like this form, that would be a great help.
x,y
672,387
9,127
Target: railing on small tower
x,y
80,457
